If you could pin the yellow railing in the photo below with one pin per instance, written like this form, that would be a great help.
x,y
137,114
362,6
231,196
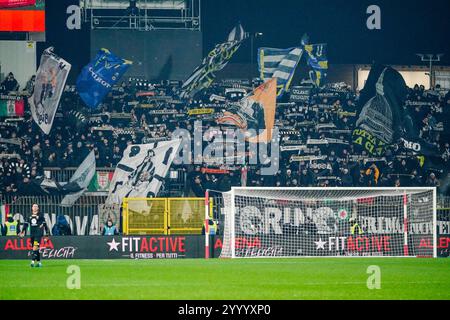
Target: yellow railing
x,y
164,216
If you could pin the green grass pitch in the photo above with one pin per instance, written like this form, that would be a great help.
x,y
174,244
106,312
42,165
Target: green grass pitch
x,y
330,278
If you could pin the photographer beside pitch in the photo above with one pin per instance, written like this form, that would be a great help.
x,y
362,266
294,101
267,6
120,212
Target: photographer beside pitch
x,y
37,227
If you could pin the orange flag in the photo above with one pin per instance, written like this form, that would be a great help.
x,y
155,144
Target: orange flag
x,y
266,95
256,111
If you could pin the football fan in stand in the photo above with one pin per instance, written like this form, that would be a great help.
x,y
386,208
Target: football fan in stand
x,y
37,227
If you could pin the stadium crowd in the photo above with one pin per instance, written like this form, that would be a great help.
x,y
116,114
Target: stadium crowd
x,y
315,137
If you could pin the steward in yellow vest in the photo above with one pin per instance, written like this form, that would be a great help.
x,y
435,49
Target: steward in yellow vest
x,y
11,227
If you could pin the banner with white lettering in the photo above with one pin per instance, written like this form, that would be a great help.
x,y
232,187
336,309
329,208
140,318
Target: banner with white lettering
x,y
82,219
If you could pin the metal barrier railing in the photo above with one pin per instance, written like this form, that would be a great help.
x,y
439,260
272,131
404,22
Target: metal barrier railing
x,y
174,185
443,202
64,175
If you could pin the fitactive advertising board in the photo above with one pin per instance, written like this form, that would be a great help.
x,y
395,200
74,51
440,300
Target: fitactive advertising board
x,y
178,247
22,15
106,247
356,246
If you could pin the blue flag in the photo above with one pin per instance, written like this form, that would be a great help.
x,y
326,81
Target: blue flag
x,y
99,76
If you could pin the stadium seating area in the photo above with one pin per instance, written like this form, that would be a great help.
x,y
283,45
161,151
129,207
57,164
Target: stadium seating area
x,y
133,113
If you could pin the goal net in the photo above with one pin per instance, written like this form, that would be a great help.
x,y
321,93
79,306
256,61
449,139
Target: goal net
x,y
315,222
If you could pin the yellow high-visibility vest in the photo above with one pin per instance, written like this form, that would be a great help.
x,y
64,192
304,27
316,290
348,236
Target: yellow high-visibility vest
x,y
11,228
212,228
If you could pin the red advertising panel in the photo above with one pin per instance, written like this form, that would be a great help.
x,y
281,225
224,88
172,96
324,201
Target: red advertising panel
x,y
22,15
16,3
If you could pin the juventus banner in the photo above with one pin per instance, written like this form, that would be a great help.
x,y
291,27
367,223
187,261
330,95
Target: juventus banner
x,y
280,64
256,111
142,170
50,81
217,59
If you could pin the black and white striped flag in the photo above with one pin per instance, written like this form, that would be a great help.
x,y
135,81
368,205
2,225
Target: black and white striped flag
x,y
280,64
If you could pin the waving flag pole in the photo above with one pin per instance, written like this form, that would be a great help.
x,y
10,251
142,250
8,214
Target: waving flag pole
x,y
317,60
216,60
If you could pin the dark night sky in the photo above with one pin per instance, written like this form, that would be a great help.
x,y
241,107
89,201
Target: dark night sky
x,y
408,27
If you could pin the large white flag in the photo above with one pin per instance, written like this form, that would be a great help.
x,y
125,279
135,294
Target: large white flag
x,y
50,81
142,170
80,179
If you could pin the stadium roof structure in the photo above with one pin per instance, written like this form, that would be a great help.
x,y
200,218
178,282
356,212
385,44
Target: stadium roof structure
x,y
142,15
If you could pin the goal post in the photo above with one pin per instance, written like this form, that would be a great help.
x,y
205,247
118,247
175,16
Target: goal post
x,y
329,222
